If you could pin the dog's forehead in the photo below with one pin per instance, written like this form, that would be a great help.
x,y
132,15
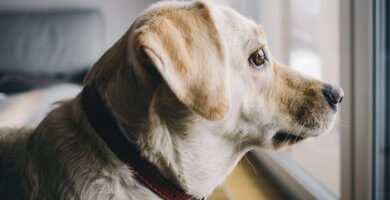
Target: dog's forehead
x,y
227,18
239,26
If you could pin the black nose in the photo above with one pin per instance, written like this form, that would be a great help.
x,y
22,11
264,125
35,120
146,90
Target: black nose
x,y
333,94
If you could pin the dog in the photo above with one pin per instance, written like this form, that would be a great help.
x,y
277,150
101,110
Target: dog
x,y
192,86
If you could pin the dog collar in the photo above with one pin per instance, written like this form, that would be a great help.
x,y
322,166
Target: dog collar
x,y
105,125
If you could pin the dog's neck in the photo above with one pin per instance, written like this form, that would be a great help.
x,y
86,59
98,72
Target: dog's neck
x,y
196,158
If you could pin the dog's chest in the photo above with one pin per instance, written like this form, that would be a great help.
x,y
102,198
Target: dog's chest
x,y
125,186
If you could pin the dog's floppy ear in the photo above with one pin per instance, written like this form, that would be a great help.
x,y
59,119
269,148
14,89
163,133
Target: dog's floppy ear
x,y
185,47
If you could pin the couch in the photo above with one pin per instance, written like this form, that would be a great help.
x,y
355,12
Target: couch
x,y
44,55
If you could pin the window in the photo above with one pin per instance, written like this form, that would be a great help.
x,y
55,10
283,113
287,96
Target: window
x,y
314,50
304,34
345,43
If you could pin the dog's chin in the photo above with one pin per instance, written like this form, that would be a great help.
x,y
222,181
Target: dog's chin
x,y
294,134
282,139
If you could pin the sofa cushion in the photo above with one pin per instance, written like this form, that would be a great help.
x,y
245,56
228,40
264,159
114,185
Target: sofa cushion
x,y
54,41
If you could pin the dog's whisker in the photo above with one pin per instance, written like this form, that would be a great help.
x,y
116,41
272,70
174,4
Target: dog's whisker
x,y
296,138
285,142
300,131
332,142
332,139
239,144
295,127
338,121
341,124
239,163
251,164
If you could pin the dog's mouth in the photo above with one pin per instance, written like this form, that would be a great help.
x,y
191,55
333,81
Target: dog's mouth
x,y
286,138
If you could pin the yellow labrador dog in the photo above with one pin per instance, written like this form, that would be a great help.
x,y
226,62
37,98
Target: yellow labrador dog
x,y
192,86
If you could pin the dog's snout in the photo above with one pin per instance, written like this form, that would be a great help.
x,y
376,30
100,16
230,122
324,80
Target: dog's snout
x,y
333,94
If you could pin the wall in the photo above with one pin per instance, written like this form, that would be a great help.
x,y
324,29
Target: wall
x,y
118,14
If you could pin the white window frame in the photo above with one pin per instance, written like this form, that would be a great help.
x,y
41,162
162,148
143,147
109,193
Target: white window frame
x,y
357,72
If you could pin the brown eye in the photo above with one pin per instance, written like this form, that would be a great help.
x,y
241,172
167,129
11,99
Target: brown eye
x,y
258,58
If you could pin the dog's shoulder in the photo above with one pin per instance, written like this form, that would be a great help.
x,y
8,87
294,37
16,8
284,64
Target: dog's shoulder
x,y
12,136
13,141
12,151
64,159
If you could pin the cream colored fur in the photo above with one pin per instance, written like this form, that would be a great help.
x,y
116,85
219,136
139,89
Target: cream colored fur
x,y
181,88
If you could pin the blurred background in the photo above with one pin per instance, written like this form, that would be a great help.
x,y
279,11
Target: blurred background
x,y
47,46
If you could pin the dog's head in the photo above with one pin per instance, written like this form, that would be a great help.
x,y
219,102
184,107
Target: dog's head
x,y
216,65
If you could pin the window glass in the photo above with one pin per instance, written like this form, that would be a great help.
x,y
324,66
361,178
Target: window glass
x,y
304,34
314,50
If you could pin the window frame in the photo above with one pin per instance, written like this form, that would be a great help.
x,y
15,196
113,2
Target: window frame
x,y
357,71
381,185
291,177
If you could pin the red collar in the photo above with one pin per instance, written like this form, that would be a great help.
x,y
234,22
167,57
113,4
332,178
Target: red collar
x,y
104,123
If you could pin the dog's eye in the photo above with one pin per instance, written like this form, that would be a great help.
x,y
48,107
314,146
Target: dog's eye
x,y
258,58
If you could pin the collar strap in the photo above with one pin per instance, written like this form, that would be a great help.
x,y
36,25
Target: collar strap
x,y
105,125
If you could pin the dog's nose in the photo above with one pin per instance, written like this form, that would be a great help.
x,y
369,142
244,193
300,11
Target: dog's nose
x,y
333,94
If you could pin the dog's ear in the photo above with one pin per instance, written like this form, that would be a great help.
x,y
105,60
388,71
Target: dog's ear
x,y
186,49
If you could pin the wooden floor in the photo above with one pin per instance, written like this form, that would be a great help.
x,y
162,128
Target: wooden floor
x,y
246,183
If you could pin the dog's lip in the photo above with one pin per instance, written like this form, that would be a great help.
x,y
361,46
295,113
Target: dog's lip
x,y
282,136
